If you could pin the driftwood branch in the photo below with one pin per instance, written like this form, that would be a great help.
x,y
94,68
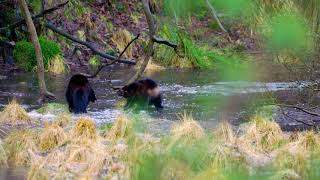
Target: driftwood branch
x,y
214,14
299,121
87,44
300,109
114,61
41,14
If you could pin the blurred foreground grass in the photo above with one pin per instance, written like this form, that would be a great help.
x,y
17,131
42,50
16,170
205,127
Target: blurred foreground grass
x,y
66,149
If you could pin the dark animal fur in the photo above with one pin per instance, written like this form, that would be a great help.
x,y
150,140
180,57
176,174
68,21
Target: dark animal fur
x,y
79,93
137,93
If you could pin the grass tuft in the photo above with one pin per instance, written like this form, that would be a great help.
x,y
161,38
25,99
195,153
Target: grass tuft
x,y
120,129
51,137
263,134
225,133
18,145
14,114
85,129
187,129
56,65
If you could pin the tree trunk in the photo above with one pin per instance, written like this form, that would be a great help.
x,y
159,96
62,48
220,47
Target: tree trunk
x,y
44,93
149,49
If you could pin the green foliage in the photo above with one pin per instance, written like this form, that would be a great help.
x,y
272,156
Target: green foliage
x,y
234,8
182,8
76,8
120,6
229,64
289,32
195,56
24,53
35,4
95,61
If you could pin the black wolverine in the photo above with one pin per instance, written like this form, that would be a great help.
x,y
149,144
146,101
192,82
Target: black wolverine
x,y
79,94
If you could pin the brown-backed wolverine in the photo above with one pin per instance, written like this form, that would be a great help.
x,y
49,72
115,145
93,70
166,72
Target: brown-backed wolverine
x,y
143,93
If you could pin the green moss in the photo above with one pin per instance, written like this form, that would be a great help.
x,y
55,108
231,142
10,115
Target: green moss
x,y
53,108
24,53
95,61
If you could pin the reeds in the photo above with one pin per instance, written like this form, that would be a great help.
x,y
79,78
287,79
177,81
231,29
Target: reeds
x,y
187,129
14,114
51,137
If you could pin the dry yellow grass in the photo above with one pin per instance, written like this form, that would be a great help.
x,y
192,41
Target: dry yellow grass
x,y
14,114
84,130
154,67
263,134
3,155
56,65
18,145
51,137
36,170
120,129
62,120
187,129
304,143
224,133
121,38
87,155
296,163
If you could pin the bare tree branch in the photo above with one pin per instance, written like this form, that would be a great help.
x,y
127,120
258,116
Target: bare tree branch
x,y
165,42
41,14
87,44
114,61
299,121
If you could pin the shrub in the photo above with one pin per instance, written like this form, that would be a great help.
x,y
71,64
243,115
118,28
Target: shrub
x,y
24,53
